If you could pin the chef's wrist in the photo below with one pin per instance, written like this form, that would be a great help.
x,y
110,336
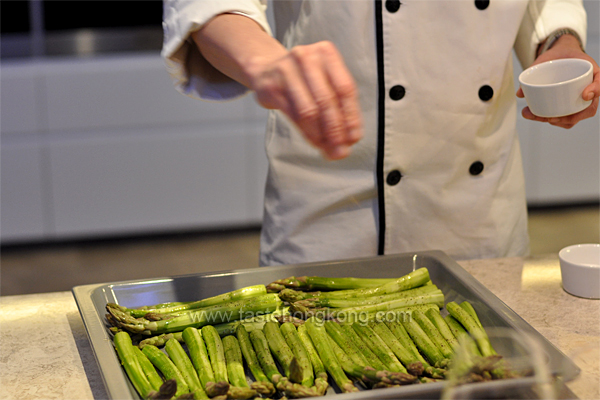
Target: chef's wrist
x,y
560,37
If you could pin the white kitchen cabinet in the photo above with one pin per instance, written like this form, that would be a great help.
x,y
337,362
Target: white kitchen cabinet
x,y
150,180
106,146
131,91
24,202
20,106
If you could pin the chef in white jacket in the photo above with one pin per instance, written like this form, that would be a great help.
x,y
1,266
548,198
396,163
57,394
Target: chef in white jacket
x,y
393,122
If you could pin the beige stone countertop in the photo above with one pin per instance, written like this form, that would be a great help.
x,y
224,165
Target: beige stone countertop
x,y
45,352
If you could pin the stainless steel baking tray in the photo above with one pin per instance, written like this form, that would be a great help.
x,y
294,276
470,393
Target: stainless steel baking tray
x,y
451,278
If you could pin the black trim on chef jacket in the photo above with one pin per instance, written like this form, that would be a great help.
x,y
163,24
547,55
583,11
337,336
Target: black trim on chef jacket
x,y
380,124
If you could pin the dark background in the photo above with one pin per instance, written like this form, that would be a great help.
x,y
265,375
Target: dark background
x,y
81,14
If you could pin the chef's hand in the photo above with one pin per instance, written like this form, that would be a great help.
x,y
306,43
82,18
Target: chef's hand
x,y
313,87
310,84
567,46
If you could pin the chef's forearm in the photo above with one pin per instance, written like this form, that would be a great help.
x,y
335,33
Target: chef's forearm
x,y
237,46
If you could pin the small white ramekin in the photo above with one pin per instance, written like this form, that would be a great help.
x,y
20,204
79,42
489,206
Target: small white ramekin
x,y
554,88
580,270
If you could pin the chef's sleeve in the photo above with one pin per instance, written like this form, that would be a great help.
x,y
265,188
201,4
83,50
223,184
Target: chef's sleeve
x,y
192,74
544,17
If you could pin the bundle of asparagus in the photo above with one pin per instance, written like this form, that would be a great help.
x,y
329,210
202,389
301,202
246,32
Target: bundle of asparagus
x,y
361,333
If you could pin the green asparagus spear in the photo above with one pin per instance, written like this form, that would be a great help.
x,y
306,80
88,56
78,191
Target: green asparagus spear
x,y
423,342
379,347
462,335
398,313
160,340
221,313
282,352
321,384
253,322
167,391
406,357
405,340
307,283
350,314
319,337
368,374
263,353
235,295
289,332
166,366
440,324
398,330
372,359
233,358
478,333
468,307
216,354
412,280
151,373
185,366
131,364
216,390
162,305
436,298
433,333
262,384
265,358
334,330
241,393
199,355
363,301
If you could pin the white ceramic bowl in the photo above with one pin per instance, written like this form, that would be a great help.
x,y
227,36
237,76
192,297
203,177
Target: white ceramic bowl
x,y
554,88
580,270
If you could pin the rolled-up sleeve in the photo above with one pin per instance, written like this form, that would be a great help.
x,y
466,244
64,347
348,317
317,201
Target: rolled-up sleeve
x,y
192,74
544,17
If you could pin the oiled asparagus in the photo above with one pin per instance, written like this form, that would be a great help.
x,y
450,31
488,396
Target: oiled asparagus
x,y
368,374
282,383
320,339
412,280
308,283
153,377
131,364
363,301
279,348
262,384
304,365
185,366
406,357
476,331
433,333
321,378
440,324
405,340
424,343
217,314
166,366
235,295
379,347
216,353
199,355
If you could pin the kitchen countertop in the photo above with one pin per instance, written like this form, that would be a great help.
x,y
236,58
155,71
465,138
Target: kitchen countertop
x,y
45,352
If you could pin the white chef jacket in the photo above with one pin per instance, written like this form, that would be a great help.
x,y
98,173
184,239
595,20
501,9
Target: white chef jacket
x,y
439,167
